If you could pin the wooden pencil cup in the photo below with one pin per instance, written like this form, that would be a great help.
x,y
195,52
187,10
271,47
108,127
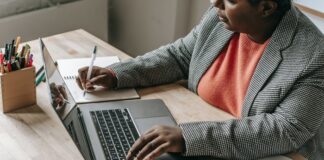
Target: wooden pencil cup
x,y
17,89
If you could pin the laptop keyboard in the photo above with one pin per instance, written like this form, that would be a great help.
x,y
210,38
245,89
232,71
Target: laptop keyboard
x,y
116,132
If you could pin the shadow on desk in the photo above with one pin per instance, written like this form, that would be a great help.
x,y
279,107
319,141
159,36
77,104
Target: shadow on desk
x,y
30,115
27,110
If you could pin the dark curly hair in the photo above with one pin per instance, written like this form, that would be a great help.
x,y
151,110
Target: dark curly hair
x,y
283,5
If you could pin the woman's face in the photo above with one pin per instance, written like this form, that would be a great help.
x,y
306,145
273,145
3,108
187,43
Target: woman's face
x,y
238,15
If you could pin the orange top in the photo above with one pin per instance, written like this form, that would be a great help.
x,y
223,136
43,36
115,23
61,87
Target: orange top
x,y
226,82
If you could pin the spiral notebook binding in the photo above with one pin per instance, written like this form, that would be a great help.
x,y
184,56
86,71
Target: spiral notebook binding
x,y
70,77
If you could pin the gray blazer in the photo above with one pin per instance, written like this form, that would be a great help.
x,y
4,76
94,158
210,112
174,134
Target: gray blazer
x,y
284,106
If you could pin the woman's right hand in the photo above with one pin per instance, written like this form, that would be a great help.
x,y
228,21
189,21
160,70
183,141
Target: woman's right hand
x,y
99,77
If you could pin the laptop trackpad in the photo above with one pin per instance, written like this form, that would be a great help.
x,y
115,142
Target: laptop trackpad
x,y
144,124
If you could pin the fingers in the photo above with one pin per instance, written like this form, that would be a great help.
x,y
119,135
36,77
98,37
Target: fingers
x,y
149,147
82,76
89,85
79,83
139,144
156,141
98,80
150,130
158,151
99,76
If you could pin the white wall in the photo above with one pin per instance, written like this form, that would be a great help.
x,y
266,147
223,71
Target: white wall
x,y
139,26
197,9
318,21
90,15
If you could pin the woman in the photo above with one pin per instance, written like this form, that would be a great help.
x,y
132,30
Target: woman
x,y
260,60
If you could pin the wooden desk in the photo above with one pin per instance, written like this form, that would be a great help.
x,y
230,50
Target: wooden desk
x,y
36,132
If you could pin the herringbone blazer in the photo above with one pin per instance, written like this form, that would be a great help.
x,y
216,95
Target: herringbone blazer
x,y
283,109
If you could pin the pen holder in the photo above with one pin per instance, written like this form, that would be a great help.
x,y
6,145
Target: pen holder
x,y
17,89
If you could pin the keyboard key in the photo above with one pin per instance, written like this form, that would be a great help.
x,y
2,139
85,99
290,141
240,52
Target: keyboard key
x,y
116,132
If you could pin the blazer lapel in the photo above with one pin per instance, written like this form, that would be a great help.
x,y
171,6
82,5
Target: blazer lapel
x,y
271,58
215,42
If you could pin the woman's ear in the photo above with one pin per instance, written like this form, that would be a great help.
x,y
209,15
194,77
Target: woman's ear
x,y
268,8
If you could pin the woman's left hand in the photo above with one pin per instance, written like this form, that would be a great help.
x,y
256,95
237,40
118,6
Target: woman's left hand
x,y
156,141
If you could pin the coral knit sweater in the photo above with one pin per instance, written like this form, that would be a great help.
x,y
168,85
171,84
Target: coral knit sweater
x,y
225,83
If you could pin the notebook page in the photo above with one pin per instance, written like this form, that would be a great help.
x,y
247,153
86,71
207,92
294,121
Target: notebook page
x,y
69,67
69,71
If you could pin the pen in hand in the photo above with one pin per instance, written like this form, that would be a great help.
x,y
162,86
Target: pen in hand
x,y
90,67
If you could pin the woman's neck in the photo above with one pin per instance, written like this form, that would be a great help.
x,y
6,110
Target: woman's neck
x,y
264,30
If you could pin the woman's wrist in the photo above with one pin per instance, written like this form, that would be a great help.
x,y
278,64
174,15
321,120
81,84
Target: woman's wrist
x,y
114,78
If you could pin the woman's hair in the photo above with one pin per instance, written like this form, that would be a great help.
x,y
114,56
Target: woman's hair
x,y
283,5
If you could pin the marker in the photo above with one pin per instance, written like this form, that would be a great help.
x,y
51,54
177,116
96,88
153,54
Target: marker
x,y
6,51
30,63
1,64
27,57
13,66
13,53
22,62
18,39
39,71
21,53
13,57
27,47
9,67
40,79
9,52
17,64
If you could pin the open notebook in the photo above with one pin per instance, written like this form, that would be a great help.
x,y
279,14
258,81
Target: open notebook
x,y
69,71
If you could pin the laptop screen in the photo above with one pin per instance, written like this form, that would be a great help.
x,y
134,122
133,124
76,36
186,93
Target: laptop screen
x,y
63,103
60,97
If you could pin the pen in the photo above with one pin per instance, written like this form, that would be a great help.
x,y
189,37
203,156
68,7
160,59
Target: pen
x,y
90,66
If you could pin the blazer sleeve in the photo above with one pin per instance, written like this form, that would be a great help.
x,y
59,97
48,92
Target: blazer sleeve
x,y
295,120
166,64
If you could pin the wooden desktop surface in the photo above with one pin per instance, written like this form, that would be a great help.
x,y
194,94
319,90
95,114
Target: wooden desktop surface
x,y
36,132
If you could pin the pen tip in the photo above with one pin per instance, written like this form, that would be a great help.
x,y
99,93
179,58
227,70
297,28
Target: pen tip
x,y
84,93
95,49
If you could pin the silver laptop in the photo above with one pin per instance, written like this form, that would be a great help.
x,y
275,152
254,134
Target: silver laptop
x,y
105,130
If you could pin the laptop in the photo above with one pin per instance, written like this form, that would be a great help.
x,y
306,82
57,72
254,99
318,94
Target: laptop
x,y
103,130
